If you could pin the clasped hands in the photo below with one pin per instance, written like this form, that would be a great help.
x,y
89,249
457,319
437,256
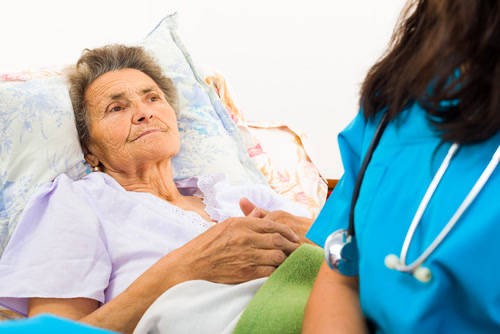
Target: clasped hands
x,y
240,249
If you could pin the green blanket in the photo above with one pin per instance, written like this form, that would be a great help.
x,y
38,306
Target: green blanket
x,y
278,306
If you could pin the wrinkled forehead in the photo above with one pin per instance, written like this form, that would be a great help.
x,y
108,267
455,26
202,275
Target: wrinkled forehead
x,y
115,85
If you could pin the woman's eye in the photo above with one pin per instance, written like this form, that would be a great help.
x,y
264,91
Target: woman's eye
x,y
153,98
114,109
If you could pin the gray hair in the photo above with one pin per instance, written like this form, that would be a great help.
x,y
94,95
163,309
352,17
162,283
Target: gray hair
x,y
94,63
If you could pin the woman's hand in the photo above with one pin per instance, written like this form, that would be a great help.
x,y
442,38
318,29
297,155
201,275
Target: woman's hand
x,y
299,225
238,250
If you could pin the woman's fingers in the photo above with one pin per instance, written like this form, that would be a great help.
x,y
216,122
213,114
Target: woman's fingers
x,y
298,224
263,234
267,226
264,271
274,258
251,210
246,206
276,241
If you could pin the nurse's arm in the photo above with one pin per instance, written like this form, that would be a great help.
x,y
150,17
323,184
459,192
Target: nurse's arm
x,y
333,305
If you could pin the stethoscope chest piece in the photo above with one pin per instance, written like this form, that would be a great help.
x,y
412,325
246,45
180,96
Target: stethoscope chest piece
x,y
341,253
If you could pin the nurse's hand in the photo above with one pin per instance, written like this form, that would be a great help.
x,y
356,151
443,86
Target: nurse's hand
x,y
299,225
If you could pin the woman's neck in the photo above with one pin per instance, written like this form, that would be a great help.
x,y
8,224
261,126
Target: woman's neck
x,y
156,179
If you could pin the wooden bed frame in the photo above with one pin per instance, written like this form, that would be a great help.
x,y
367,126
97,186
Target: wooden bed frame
x,y
331,185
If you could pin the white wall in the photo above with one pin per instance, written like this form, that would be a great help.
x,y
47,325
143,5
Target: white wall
x,y
299,62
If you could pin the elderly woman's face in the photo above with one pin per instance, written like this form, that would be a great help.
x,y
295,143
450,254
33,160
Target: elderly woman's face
x,y
131,122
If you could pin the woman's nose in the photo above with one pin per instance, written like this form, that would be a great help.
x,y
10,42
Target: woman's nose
x,y
142,114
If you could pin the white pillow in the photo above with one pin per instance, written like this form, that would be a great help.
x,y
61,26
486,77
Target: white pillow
x,y
38,138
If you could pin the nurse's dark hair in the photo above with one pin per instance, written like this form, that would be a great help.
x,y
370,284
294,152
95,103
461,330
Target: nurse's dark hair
x,y
442,50
96,62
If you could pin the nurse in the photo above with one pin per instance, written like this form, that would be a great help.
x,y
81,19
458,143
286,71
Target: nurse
x,y
424,255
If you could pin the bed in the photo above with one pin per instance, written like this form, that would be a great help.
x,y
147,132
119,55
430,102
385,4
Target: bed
x,y
38,140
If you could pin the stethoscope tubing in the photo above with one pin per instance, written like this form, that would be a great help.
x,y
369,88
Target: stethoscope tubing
x,y
454,219
359,180
421,208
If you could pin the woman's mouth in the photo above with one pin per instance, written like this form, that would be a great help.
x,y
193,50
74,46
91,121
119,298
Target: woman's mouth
x,y
147,133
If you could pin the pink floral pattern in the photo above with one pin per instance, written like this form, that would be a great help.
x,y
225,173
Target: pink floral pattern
x,y
255,150
30,75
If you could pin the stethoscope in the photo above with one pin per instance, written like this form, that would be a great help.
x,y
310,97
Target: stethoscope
x,y
341,251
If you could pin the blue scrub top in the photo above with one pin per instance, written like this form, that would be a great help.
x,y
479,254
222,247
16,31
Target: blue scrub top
x,y
463,295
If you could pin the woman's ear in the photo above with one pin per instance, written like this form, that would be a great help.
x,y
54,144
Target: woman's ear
x,y
91,159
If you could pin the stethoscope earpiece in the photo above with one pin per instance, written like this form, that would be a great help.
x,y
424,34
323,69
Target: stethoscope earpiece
x,y
391,261
423,274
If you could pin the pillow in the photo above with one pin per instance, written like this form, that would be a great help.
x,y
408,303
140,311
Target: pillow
x,y
38,141
279,151
38,138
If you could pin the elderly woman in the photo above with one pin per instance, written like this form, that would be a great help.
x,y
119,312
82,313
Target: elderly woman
x,y
102,249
